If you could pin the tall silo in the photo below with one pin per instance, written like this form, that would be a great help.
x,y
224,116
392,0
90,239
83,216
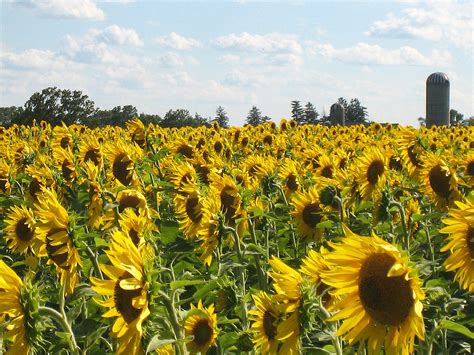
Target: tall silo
x,y
337,114
437,100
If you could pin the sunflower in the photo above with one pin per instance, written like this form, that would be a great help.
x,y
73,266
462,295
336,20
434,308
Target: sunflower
x,y
122,158
95,204
287,284
4,177
466,163
137,132
201,323
21,231
128,199
289,175
90,150
54,230
459,226
181,147
380,298
256,167
62,138
410,150
65,159
370,173
439,181
265,320
189,210
327,168
308,213
127,292
11,305
182,174
209,233
134,226
41,176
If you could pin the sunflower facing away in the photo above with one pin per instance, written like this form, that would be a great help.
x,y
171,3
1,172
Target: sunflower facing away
x,y
21,231
127,292
265,320
202,325
54,230
460,227
380,301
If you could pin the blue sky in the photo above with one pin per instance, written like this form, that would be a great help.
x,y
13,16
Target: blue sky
x,y
201,54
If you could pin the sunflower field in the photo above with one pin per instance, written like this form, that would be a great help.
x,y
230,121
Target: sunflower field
x,y
272,239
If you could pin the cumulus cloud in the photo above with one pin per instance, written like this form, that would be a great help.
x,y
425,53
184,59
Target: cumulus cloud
x,y
83,9
366,54
175,41
245,79
116,35
270,43
449,21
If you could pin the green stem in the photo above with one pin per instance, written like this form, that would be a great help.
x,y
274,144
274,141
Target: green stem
x,y
173,318
260,273
93,258
62,321
406,236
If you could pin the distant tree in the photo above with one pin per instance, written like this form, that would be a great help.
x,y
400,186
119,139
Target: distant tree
x,y
55,106
221,117
469,121
355,113
182,118
200,121
422,121
8,115
254,117
455,118
266,119
310,114
297,112
147,118
118,116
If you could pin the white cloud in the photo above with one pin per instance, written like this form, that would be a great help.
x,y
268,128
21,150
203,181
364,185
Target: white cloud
x,y
450,21
270,43
366,54
246,79
117,35
175,41
86,9
172,59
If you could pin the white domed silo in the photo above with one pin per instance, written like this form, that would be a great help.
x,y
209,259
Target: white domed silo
x,y
437,100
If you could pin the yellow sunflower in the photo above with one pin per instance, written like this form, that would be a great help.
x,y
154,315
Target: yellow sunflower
x,y
54,230
209,233
122,158
460,227
137,132
370,173
95,204
265,319
4,177
410,150
90,150
189,210
21,231
380,299
127,292
439,181
308,213
466,163
182,174
11,305
290,176
65,160
62,138
202,325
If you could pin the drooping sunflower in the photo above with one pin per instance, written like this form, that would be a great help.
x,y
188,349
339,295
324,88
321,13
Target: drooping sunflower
x,y
202,325
460,227
21,231
10,293
265,319
127,292
308,213
370,173
137,132
122,158
380,298
439,181
54,230
90,150
287,284
209,233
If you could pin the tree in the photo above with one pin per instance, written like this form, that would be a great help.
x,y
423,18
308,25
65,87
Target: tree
x,y
422,121
455,118
8,115
355,113
254,117
55,106
221,117
297,112
118,116
310,114
182,118
147,118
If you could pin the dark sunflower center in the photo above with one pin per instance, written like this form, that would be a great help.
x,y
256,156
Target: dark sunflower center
x,y
202,332
439,181
123,302
470,168
228,201
120,169
342,163
3,184
65,142
93,155
413,156
129,201
59,259
186,151
23,231
34,188
254,169
268,140
388,300
395,163
67,170
327,172
218,147
193,209
470,240
203,171
311,215
292,182
269,326
375,169
134,236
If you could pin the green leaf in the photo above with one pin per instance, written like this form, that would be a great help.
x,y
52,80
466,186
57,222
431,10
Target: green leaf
x,y
203,291
325,224
257,248
455,327
183,283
